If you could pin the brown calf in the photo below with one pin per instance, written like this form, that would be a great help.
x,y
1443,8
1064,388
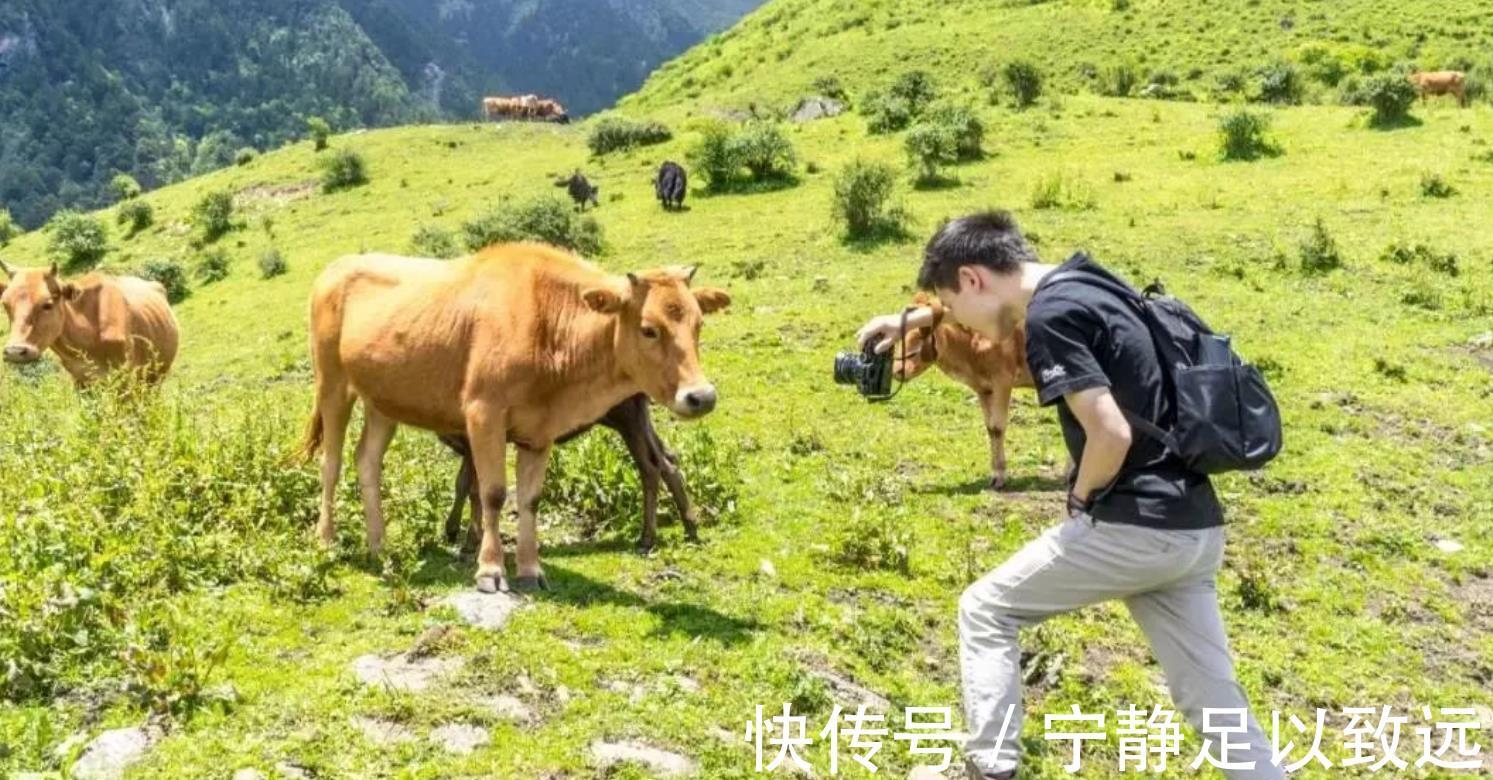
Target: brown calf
x,y
1441,82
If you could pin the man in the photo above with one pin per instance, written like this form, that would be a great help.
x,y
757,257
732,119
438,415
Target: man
x,y
1140,527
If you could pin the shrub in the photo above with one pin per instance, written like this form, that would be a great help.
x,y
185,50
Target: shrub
x,y
319,130
76,241
715,157
830,87
1319,252
214,214
886,113
272,264
861,200
1421,293
1279,83
171,275
547,218
124,187
1024,82
435,241
244,156
1119,80
213,266
915,87
1390,95
1242,135
1402,254
765,151
1232,83
615,133
135,216
344,169
1433,186
965,125
930,146
1059,191
8,227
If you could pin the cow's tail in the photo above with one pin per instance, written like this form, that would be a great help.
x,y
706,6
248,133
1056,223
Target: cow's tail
x,y
311,444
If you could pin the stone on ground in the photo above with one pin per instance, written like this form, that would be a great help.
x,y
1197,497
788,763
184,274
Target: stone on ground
x,y
660,762
402,673
507,707
111,753
460,738
248,774
382,732
1449,545
816,107
488,611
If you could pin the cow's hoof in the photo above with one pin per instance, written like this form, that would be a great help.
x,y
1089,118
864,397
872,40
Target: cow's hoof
x,y
531,584
692,538
996,484
646,549
492,583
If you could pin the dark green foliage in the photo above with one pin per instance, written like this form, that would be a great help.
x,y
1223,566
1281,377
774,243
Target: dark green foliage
x,y
965,124
830,87
931,146
764,149
1242,135
213,214
1119,79
616,133
547,218
124,187
1024,82
1319,252
714,158
916,87
435,241
135,216
213,265
245,156
862,201
319,131
885,113
272,264
343,169
171,274
76,241
1420,254
1390,95
760,147
8,227
1433,186
1279,83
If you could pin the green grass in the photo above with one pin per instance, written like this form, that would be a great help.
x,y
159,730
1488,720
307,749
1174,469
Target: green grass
x,y
1334,594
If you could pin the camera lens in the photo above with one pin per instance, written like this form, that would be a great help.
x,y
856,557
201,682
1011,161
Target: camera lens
x,y
848,368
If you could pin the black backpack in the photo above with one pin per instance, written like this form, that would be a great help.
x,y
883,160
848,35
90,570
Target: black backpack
x,y
1225,417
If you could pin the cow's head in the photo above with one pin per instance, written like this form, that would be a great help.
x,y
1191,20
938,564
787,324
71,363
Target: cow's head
x,y
34,299
658,334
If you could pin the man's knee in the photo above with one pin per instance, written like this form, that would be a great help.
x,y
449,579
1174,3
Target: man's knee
x,y
980,609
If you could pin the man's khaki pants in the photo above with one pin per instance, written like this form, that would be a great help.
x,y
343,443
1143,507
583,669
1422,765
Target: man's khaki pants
x,y
1166,579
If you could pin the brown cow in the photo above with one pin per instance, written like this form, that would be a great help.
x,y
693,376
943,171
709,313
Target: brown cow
x,y
1441,82
551,111
520,343
989,368
95,324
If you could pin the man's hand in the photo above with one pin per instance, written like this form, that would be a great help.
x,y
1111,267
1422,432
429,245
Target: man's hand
x,y
884,331
1106,440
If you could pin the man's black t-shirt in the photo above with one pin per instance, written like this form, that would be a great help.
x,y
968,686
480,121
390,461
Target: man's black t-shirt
x,y
1079,336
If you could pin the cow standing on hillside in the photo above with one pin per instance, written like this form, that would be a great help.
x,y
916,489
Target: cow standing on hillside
x,y
1441,82
580,190
671,185
520,343
989,368
96,325
653,460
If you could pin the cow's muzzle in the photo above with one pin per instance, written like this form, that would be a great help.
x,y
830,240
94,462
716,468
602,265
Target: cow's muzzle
x,y
695,401
21,353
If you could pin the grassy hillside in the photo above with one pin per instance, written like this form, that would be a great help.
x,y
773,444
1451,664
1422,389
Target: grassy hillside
x,y
146,542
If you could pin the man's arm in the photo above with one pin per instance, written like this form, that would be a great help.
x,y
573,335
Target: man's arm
x,y
1106,439
883,331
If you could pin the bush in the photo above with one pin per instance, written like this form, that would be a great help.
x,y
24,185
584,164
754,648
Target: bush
x,y
213,266
344,169
76,241
244,156
1401,254
1059,191
1119,80
1319,252
1390,95
886,113
1242,136
765,151
1433,186
1280,83
965,125
171,275
214,214
435,241
135,216
319,130
547,218
916,88
715,157
272,264
8,227
930,146
863,191
830,87
1023,81
124,187
615,133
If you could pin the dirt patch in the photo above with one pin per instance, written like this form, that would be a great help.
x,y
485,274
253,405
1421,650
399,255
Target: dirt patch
x,y
274,195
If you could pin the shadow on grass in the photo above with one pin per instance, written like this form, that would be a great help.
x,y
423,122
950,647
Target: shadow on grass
x,y
1397,123
1027,483
937,183
884,231
442,569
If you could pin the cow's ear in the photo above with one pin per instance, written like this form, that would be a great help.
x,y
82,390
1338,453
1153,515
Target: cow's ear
x,y
70,291
712,300
603,300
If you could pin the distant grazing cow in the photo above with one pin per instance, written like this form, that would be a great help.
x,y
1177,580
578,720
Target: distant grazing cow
x,y
96,324
520,342
524,107
988,367
671,185
653,460
1441,82
580,190
551,111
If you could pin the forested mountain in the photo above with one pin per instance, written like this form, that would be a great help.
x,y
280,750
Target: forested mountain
x,y
163,89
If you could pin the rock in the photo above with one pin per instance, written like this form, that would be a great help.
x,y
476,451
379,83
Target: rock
x,y
925,773
850,693
290,771
686,684
1449,545
766,569
460,738
562,694
1481,341
111,752
660,762
65,748
248,774
508,707
382,732
400,673
816,107
483,610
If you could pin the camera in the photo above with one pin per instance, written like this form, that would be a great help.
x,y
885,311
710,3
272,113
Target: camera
x,y
870,372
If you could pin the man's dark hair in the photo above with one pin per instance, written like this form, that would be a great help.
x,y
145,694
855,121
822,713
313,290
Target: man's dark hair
x,y
987,238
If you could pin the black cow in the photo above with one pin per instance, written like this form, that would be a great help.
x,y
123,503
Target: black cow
x,y
630,419
580,190
671,184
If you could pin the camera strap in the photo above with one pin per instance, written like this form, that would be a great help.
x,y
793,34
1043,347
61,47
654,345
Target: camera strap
x,y
902,345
